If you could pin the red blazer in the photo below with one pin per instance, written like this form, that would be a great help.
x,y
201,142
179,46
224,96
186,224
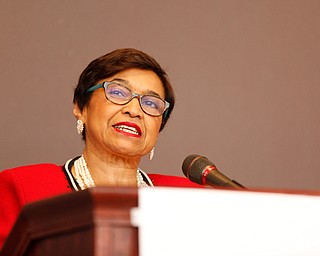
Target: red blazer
x,y
26,184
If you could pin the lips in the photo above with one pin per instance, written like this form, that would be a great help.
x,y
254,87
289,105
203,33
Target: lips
x,y
128,128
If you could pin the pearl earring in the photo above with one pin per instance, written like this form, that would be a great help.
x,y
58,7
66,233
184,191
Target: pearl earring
x,y
151,154
80,126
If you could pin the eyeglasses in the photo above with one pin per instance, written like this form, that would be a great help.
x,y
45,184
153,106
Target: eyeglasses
x,y
121,95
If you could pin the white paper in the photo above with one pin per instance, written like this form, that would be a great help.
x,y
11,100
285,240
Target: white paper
x,y
187,221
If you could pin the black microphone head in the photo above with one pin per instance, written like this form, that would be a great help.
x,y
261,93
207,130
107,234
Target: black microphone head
x,y
193,167
187,162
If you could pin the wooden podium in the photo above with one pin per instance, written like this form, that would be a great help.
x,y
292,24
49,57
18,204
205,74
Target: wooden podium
x,y
91,222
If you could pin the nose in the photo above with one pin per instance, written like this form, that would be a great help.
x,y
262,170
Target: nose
x,y
133,107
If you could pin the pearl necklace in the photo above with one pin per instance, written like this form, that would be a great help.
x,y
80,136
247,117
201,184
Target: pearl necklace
x,y
85,180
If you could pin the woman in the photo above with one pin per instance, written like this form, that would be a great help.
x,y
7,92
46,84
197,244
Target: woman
x,y
122,101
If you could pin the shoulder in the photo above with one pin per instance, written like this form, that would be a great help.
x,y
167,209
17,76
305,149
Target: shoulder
x,y
30,169
33,173
35,181
172,181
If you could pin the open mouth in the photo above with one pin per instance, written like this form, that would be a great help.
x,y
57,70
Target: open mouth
x,y
133,130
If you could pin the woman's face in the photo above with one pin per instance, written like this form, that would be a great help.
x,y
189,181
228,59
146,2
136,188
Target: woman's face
x,y
123,130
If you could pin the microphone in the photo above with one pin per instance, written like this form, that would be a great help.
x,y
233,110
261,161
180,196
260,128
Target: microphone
x,y
200,170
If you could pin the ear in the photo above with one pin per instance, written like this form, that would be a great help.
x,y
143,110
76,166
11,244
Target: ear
x,y
77,112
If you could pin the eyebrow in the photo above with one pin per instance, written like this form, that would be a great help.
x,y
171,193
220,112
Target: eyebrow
x,y
120,80
123,81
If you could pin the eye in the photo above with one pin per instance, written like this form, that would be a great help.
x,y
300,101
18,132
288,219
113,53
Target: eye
x,y
151,102
118,91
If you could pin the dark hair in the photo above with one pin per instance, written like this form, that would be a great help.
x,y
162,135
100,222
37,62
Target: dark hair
x,y
114,62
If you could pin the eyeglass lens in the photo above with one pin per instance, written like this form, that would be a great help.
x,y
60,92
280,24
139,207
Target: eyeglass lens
x,y
120,94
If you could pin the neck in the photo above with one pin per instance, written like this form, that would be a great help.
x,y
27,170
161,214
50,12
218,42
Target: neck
x,y
111,170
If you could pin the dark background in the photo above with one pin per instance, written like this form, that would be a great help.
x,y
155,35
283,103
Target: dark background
x,y
245,72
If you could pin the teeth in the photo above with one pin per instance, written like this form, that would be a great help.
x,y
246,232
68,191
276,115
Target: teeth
x,y
127,129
